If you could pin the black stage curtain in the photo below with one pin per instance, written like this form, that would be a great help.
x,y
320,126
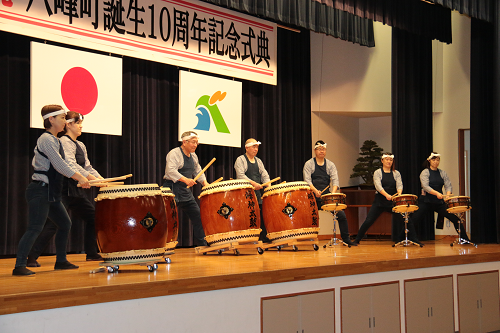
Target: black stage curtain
x,y
480,9
414,16
484,136
309,15
278,116
411,113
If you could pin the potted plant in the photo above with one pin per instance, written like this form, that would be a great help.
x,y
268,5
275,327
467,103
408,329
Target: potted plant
x,y
369,161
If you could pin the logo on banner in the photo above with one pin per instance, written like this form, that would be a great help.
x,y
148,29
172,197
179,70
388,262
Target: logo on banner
x,y
212,107
209,110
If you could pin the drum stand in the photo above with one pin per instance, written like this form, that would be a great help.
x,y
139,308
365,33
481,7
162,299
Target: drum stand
x,y
235,246
406,241
335,241
460,240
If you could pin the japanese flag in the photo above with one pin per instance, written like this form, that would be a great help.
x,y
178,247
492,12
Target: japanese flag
x,y
83,82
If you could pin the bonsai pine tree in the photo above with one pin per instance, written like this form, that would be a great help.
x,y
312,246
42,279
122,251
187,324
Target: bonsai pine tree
x,y
369,161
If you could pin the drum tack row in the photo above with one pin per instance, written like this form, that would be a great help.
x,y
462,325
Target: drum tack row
x,y
138,224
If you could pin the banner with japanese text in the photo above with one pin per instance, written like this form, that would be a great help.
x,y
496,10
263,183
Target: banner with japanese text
x,y
185,33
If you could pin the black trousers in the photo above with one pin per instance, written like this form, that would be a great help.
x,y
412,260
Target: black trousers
x,y
378,208
82,208
440,208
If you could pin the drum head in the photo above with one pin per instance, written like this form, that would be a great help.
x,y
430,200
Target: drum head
x,y
333,207
405,209
458,209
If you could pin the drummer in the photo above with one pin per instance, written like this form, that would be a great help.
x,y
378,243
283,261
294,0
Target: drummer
x,y
74,198
387,182
248,166
321,173
44,192
182,166
432,180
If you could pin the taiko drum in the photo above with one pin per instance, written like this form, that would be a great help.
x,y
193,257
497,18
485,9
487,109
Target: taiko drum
x,y
458,204
290,211
131,223
405,203
172,218
229,212
333,201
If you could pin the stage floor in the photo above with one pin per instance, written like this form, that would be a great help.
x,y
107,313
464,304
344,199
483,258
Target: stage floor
x,y
190,272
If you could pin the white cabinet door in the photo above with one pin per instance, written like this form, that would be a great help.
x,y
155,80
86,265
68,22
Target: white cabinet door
x,y
488,302
417,307
385,305
356,310
280,315
317,313
441,305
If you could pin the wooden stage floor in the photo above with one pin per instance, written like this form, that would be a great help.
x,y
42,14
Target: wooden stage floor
x,y
190,272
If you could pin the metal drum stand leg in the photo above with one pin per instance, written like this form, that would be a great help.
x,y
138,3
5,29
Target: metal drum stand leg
x,y
335,240
406,241
460,240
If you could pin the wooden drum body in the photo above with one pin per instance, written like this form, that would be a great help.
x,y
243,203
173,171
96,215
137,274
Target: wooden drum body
x,y
333,201
131,223
405,203
230,212
290,211
172,217
458,204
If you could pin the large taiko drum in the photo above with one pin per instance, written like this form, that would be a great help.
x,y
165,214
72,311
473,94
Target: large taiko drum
x,y
405,203
290,211
230,212
333,201
173,219
458,204
131,223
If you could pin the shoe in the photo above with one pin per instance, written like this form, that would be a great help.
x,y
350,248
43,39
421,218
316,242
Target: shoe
x,y
64,265
32,262
94,257
348,242
22,270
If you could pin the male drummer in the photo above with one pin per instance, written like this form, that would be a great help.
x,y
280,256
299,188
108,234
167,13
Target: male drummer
x,y
248,166
321,173
182,166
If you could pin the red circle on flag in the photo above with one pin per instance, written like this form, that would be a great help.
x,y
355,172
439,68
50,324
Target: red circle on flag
x,y
79,90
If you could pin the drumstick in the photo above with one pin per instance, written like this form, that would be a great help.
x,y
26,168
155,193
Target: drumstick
x,y
109,179
271,181
104,184
204,169
283,182
325,189
218,180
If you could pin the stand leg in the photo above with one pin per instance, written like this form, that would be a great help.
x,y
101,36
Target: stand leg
x,y
406,241
460,240
335,241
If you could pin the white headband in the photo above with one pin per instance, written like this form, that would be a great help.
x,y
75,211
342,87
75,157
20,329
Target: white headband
x,y
73,119
386,155
190,136
55,113
433,155
253,143
320,145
